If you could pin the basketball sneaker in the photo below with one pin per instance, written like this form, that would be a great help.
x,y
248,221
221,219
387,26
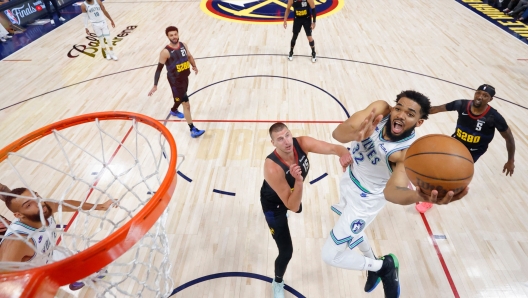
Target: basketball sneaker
x,y
2,39
52,22
113,55
373,279
79,284
314,58
277,289
108,55
177,114
195,132
290,55
422,207
390,278
62,19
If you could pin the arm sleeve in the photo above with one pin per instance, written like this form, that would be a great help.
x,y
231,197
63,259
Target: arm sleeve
x,y
455,105
157,75
314,14
85,19
500,122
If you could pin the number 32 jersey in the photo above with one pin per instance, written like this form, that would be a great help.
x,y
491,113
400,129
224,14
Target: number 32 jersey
x,y
476,131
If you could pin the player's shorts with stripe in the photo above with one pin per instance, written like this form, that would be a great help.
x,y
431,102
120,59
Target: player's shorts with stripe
x,y
101,29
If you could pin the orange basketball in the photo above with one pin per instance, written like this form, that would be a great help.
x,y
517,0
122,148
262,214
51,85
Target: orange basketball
x,y
439,162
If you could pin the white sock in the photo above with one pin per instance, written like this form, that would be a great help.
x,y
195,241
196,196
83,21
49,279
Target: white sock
x,y
366,249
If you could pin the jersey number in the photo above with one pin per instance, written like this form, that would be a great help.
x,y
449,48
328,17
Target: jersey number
x,y
96,14
479,125
467,137
306,165
183,52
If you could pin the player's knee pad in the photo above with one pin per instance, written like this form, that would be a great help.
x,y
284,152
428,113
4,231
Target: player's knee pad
x,y
294,38
312,43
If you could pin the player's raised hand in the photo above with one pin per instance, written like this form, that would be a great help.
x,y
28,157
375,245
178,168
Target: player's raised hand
x,y
368,125
295,171
508,168
153,90
448,198
104,206
345,160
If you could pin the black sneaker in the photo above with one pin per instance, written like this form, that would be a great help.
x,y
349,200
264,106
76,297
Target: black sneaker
x,y
290,55
373,280
390,277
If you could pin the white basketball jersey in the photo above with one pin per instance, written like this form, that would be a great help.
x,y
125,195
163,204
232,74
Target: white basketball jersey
x,y
95,14
44,239
371,170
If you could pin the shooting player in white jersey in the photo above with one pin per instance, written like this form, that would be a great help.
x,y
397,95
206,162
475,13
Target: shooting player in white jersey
x,y
380,136
93,10
38,247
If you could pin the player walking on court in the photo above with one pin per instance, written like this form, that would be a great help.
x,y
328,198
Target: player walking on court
x,y
302,15
284,172
178,60
475,128
380,136
93,10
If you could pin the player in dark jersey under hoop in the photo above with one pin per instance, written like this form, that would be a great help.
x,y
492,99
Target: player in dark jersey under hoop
x,y
302,10
475,128
178,60
284,172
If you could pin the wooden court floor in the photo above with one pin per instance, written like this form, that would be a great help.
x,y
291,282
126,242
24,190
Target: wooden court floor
x,y
369,50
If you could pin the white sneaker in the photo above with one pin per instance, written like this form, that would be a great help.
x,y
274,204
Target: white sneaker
x,y
8,36
277,289
113,56
62,19
52,22
108,55
2,39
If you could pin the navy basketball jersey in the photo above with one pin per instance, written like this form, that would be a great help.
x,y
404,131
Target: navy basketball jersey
x,y
178,65
301,8
476,131
268,197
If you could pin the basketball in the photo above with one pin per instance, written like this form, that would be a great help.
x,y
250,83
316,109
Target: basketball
x,y
439,162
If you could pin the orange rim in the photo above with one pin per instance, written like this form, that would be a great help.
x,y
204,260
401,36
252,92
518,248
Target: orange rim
x,y
44,281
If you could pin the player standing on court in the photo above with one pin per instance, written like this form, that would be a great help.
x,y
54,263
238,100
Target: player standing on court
x,y
93,10
302,15
178,60
475,128
380,136
284,172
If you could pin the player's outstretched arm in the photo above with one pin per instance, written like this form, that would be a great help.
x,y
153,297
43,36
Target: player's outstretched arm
x,y
274,175
509,166
103,8
438,109
397,190
309,144
72,206
362,123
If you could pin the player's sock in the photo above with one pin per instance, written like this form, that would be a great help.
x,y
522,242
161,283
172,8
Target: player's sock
x,y
373,265
312,45
366,249
191,126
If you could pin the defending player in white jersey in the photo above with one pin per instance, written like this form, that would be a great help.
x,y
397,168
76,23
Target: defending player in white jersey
x,y
93,10
40,240
380,136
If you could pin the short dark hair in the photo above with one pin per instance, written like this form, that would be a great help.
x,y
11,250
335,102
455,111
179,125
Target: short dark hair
x,y
419,98
277,127
170,29
15,192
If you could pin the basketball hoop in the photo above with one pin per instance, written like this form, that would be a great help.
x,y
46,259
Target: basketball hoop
x,y
44,281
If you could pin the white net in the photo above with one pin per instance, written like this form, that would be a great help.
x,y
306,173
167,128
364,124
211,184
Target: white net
x,y
93,178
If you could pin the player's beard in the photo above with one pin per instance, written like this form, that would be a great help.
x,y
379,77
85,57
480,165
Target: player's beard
x,y
36,217
175,42
393,137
